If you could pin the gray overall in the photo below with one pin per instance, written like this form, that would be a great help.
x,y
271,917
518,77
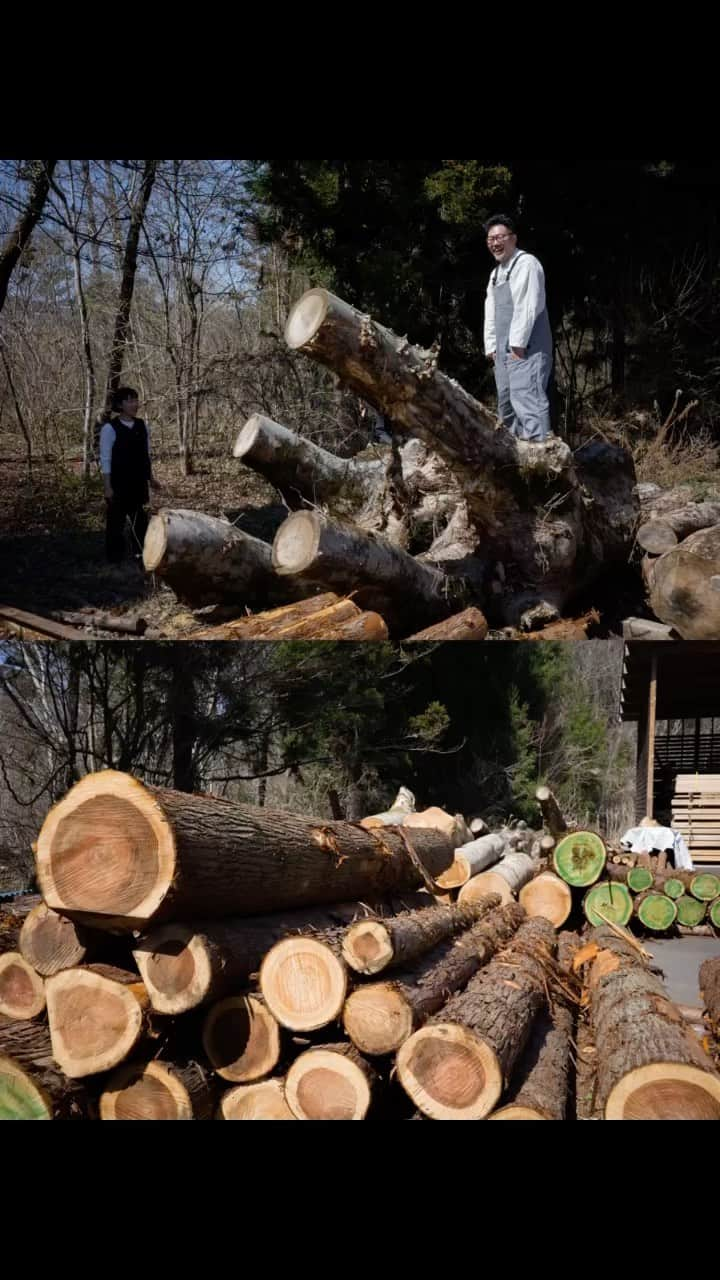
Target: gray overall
x,y
522,383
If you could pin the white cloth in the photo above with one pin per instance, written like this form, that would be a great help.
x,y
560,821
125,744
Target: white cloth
x,y
527,286
649,839
107,440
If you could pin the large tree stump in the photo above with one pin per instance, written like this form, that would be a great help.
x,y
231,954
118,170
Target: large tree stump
x,y
549,519
379,1016
120,853
455,1068
649,1064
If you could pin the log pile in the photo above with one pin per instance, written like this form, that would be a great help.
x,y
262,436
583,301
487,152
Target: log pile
x,y
680,538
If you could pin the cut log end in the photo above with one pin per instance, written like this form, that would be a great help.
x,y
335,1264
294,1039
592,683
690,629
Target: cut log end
x,y
22,990
367,947
549,896
145,1091
486,882
517,1113
176,972
21,1098
95,1022
665,1091
324,1085
106,849
579,858
242,1039
50,942
450,1073
296,542
247,436
377,1018
306,318
303,983
263,1101
155,544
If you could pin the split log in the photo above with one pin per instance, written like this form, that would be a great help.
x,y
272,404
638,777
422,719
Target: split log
x,y
242,1039
549,896
303,980
550,809
471,624
402,805
372,945
322,617
382,577
331,1082
158,1091
650,1065
22,990
380,1016
709,982
187,965
97,1016
205,560
455,1067
263,1101
646,629
664,532
121,853
556,516
684,586
540,1087
580,858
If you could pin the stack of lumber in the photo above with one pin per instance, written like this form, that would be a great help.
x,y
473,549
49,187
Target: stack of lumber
x,y
696,814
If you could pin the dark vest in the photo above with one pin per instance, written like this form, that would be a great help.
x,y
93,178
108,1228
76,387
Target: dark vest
x,y
130,466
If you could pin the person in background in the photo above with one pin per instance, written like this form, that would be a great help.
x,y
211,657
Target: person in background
x,y
126,467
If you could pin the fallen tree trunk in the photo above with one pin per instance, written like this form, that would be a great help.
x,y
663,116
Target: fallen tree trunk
x,y
455,1068
471,624
317,552
556,516
665,531
262,1101
507,878
372,945
649,1065
22,991
104,622
24,621
709,982
159,1091
330,1082
97,1016
187,965
380,1016
205,560
684,586
478,855
118,852
323,617
241,1039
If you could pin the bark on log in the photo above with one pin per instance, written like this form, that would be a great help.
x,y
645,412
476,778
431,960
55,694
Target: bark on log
x,y
471,624
516,868
330,1082
402,805
650,1066
709,982
380,1016
586,1086
455,1067
50,942
184,966
104,622
664,532
509,486
159,1091
477,856
97,1016
407,593
27,1042
22,990
12,918
549,896
205,560
550,809
321,617
241,1039
22,620
304,980
684,586
373,945
486,882
120,853
263,1101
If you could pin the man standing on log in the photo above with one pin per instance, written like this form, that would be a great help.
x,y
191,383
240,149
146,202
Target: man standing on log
x,y
127,472
518,338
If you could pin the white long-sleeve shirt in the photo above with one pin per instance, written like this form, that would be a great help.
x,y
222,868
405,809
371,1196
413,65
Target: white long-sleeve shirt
x,y
527,287
107,440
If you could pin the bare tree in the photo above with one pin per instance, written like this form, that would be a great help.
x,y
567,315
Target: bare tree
x,y
15,242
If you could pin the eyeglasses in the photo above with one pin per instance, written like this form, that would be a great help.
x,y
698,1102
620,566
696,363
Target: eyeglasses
x,y
499,239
